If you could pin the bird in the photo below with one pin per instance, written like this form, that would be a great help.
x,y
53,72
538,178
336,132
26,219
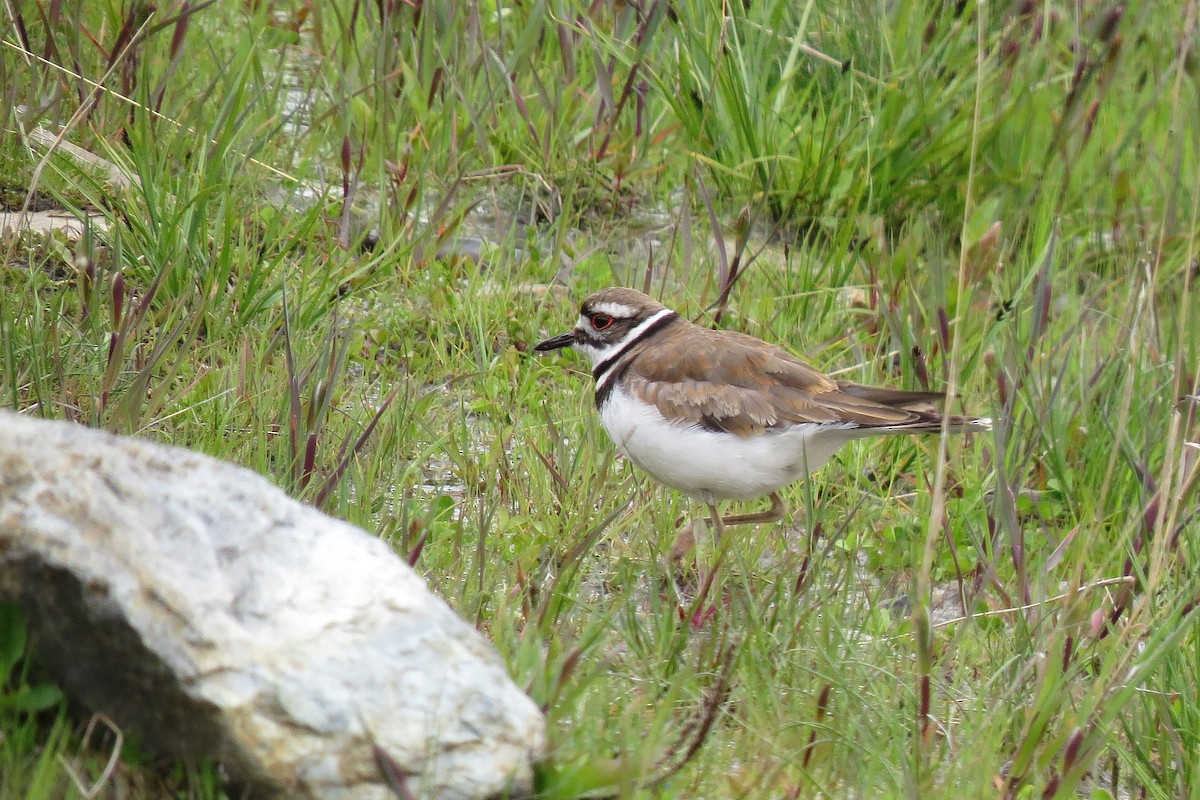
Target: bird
x,y
722,415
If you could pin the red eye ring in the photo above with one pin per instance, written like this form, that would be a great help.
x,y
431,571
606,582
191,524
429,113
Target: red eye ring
x,y
601,321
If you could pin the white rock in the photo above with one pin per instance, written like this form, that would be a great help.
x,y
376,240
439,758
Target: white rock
x,y
199,606
43,223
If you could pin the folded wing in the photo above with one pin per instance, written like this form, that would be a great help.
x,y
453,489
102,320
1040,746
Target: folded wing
x,y
739,384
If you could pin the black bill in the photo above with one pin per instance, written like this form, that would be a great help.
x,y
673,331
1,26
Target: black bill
x,y
562,340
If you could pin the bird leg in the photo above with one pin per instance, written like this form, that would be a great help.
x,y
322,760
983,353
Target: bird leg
x,y
685,543
686,540
776,512
714,516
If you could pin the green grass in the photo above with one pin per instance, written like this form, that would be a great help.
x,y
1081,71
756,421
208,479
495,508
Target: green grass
x,y
998,200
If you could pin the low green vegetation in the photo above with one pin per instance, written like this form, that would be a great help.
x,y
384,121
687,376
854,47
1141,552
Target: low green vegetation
x,y
345,224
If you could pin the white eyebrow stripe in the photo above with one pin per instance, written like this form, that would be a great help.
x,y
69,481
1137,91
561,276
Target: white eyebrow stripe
x,y
606,358
618,310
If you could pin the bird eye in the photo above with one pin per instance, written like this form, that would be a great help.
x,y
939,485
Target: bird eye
x,y
601,321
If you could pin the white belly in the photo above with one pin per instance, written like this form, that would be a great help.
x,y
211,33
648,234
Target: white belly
x,y
721,466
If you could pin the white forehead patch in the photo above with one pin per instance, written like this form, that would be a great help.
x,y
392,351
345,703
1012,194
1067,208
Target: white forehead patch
x,y
618,310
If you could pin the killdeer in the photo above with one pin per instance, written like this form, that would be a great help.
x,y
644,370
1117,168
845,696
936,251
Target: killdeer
x,y
720,415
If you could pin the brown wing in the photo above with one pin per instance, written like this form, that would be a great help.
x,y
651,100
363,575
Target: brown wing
x,y
732,382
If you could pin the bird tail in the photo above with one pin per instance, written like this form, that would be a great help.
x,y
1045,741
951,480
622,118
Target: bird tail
x,y
932,423
896,398
928,418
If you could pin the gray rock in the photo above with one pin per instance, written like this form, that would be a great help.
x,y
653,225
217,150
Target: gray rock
x,y
199,606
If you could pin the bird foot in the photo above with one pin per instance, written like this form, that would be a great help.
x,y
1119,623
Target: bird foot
x,y
776,512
